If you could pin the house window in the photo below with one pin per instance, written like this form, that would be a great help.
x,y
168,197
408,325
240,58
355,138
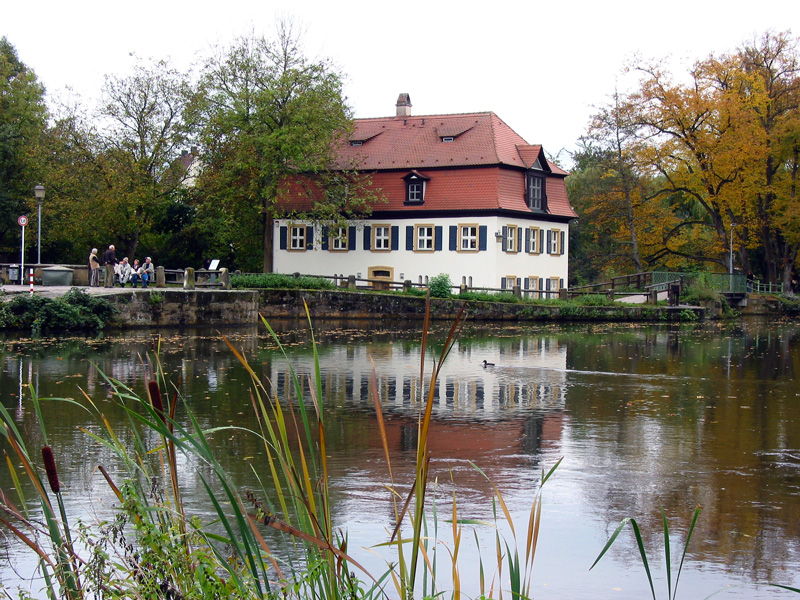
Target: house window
x,y
534,241
448,139
381,237
424,241
511,238
415,191
509,281
338,239
297,237
555,239
468,241
532,287
534,191
555,284
415,187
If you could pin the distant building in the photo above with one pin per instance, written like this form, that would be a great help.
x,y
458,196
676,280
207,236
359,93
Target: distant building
x,y
465,195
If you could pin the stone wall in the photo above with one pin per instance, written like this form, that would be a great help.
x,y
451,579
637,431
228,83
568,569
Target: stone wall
x,y
176,307
362,305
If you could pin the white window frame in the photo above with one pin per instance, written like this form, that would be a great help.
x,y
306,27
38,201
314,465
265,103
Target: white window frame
x,y
535,235
338,239
297,238
381,243
415,192
426,242
555,242
512,236
468,237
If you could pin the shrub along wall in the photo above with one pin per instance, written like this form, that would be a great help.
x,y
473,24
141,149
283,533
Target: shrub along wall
x,y
361,305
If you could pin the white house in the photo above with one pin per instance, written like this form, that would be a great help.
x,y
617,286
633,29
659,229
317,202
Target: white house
x,y
465,195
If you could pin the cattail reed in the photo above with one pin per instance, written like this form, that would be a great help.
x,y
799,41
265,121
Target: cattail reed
x,y
155,398
50,469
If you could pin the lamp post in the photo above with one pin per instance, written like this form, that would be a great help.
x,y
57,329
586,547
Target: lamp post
x,y
730,261
38,192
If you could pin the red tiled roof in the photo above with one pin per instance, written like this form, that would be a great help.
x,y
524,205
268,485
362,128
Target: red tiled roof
x,y
466,189
483,168
416,142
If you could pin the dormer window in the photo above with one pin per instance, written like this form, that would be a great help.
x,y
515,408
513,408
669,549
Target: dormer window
x,y
415,187
416,191
535,195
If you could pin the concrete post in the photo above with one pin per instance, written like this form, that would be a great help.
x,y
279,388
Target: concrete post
x,y
462,288
161,277
407,285
610,294
188,278
652,297
351,282
562,294
225,278
517,291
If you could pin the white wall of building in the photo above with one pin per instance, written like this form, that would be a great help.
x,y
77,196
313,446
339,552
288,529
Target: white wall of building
x,y
475,268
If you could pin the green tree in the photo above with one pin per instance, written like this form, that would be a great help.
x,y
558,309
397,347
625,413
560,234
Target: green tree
x,y
23,119
272,118
118,172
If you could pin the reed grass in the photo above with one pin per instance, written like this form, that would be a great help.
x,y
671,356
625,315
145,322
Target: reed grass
x,y
275,540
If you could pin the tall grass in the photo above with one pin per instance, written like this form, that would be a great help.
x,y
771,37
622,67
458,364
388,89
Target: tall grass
x,y
277,539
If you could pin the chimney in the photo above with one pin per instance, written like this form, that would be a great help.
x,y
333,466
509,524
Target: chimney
x,y
403,105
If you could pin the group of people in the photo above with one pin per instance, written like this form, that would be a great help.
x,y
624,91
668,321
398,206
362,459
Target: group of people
x,y
119,271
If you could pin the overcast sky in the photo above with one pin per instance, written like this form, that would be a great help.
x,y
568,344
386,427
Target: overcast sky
x,y
541,66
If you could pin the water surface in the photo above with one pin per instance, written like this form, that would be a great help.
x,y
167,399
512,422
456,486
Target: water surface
x,y
645,417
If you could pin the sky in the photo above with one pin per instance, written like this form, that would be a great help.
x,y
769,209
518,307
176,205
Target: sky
x,y
542,67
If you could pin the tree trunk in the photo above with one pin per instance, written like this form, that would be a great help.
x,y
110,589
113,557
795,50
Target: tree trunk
x,y
268,241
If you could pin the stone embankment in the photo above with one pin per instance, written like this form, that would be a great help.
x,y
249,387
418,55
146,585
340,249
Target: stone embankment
x,y
174,307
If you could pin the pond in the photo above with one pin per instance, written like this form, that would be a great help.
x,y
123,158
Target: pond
x,y
645,418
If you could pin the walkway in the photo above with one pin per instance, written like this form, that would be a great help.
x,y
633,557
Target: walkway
x,y
56,291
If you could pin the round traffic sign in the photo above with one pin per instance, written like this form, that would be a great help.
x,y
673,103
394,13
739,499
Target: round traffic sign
x,y
23,220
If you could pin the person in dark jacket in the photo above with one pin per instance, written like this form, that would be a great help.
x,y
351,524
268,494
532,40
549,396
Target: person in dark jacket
x,y
109,262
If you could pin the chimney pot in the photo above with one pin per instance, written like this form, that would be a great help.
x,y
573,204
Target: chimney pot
x,y
403,105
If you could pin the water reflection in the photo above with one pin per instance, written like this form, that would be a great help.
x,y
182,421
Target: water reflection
x,y
645,417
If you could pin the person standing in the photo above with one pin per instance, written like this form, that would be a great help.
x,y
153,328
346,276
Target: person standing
x,y
109,262
94,268
148,271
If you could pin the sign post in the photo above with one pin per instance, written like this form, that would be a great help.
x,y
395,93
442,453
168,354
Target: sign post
x,y
23,221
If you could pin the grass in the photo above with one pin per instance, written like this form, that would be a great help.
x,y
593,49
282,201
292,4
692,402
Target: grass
x,y
275,540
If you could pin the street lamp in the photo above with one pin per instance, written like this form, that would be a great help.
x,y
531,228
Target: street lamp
x,y
38,192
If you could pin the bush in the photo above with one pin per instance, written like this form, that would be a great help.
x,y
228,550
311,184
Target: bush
x,y
73,311
440,286
593,300
280,281
507,297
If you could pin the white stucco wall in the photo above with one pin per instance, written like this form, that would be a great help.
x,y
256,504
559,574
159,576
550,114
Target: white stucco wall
x,y
477,269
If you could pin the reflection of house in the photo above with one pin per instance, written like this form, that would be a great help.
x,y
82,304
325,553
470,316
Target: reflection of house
x,y
465,195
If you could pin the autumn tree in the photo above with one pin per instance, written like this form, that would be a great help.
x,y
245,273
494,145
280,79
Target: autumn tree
x,y
23,119
271,116
768,88
718,149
